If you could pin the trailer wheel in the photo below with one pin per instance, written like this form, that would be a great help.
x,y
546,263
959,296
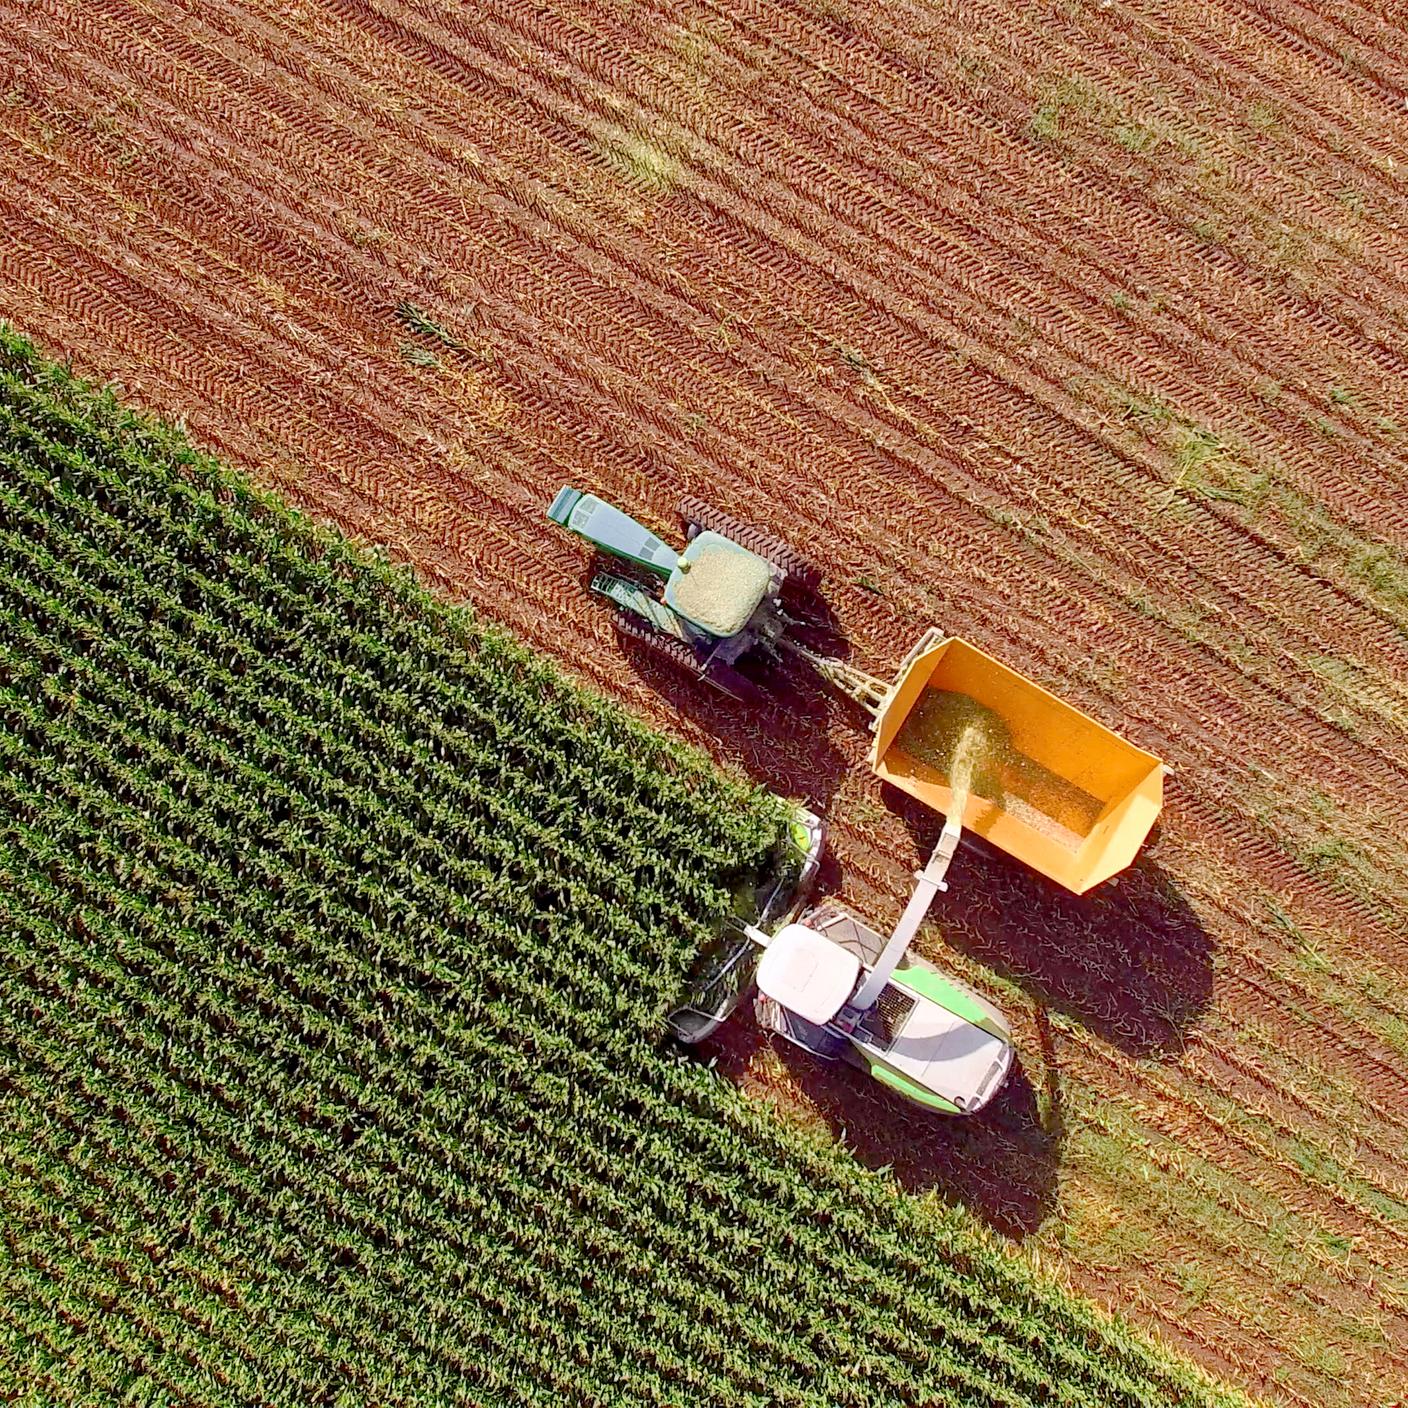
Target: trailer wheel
x,y
801,574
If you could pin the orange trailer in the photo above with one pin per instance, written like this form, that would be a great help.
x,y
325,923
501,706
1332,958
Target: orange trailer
x,y
1057,790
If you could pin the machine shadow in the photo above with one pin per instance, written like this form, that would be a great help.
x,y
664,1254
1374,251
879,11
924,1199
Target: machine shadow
x,y
1000,1163
816,626
1130,960
782,742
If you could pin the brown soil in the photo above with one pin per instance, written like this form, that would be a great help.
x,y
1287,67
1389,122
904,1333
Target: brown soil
x,y
1077,329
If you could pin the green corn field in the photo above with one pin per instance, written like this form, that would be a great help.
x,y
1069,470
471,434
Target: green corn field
x,y
337,935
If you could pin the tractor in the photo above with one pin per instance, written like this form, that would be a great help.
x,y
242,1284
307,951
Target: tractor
x,y
704,608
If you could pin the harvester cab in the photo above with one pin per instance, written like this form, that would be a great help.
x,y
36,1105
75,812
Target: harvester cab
x,y
925,1034
830,984
704,608
812,973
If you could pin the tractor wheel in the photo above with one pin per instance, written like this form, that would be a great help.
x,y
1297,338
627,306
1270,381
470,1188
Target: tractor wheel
x,y
803,575
669,648
724,678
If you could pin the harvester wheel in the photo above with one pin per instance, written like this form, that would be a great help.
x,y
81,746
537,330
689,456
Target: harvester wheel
x,y
801,574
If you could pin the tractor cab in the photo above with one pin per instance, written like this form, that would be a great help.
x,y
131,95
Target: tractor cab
x,y
704,607
717,586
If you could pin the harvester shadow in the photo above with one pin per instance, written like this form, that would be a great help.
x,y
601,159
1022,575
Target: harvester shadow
x,y
1000,1163
1130,960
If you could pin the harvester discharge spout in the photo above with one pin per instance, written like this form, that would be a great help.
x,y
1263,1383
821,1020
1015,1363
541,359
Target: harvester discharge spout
x,y
928,883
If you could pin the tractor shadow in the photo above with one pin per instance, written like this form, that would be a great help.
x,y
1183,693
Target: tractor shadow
x,y
1130,960
1000,1163
782,741
816,625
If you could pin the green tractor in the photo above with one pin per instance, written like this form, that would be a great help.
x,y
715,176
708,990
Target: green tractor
x,y
706,608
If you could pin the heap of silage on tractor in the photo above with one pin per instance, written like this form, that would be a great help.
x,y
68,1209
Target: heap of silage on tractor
x,y
337,936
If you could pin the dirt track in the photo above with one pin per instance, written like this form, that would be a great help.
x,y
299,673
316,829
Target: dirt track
x,y
1079,334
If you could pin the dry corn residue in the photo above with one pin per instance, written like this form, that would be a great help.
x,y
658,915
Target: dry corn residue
x,y
717,586
970,747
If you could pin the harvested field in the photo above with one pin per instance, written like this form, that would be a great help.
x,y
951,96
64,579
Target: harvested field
x,y
1078,331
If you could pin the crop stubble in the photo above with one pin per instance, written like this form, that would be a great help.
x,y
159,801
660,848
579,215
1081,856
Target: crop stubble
x,y
820,265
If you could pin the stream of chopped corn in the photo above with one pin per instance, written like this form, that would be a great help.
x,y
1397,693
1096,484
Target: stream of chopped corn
x,y
970,746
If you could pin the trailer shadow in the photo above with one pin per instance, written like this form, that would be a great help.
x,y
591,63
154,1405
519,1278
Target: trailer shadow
x,y
1001,1163
1131,961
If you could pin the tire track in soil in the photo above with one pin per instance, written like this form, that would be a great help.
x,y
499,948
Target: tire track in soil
x,y
1141,49
1243,1155
1021,175
1184,1126
432,58
1075,290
